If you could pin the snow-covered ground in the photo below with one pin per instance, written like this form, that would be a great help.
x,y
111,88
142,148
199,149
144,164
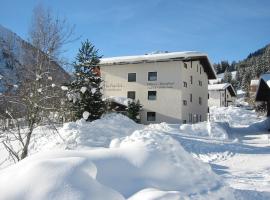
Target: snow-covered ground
x,y
115,158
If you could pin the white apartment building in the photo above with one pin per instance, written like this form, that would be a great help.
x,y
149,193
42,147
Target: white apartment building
x,y
172,87
221,95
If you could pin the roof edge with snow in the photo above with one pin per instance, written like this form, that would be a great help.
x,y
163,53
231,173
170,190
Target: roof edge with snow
x,y
163,57
222,86
263,90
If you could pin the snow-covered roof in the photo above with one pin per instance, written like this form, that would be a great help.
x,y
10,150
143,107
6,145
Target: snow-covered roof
x,y
221,75
120,100
174,56
222,86
254,82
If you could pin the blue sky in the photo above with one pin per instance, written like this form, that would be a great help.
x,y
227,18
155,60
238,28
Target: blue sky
x,y
225,29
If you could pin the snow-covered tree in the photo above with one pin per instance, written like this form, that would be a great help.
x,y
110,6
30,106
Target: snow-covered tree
x,y
227,76
133,110
85,91
37,96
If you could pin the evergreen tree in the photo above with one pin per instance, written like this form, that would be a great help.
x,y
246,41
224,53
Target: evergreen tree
x,y
227,76
85,91
133,110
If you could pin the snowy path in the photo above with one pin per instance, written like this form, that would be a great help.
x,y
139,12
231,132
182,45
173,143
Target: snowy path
x,y
243,164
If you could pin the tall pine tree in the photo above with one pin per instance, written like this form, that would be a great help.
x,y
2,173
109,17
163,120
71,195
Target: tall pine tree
x,y
85,91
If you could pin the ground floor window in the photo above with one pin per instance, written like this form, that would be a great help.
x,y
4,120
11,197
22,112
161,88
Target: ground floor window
x,y
184,121
190,117
151,116
131,94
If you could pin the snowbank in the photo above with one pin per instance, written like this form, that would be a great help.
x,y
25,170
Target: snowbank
x,y
145,159
98,133
217,130
57,178
239,117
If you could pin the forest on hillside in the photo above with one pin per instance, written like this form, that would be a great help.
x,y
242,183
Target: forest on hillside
x,y
250,68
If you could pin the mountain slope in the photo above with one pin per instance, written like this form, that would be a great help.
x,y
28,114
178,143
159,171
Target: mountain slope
x,y
16,58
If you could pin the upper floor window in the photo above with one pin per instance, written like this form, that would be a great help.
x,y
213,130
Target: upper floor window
x,y
185,84
200,100
152,76
191,79
131,94
200,70
184,102
190,97
185,65
152,95
200,83
131,77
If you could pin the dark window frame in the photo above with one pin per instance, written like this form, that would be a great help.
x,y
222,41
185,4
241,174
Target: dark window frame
x,y
148,117
128,94
200,100
149,76
184,102
130,78
149,94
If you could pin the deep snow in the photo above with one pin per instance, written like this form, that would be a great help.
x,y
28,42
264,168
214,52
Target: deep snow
x,y
115,158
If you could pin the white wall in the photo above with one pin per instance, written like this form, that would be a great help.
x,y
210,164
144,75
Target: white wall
x,y
169,86
217,98
194,108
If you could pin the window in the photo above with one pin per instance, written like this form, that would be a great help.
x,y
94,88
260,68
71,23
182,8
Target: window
x,y
152,95
185,65
208,95
185,84
200,70
200,100
190,117
200,83
184,121
131,94
184,102
191,79
190,97
152,76
131,77
190,64
197,118
151,116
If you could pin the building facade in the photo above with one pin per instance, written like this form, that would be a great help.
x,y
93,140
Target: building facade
x,y
253,87
221,95
172,87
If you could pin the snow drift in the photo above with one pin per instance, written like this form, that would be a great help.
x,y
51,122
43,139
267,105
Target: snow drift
x,y
145,159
